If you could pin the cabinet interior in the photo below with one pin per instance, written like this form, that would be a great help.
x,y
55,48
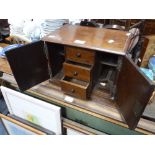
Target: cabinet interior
x,y
106,67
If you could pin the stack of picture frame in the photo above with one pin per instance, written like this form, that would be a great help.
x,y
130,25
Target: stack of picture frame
x,y
11,126
29,116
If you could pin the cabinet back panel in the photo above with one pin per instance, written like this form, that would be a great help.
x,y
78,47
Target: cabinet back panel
x,y
56,57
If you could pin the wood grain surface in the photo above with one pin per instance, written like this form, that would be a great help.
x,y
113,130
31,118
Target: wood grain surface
x,y
80,55
75,88
77,71
133,92
106,40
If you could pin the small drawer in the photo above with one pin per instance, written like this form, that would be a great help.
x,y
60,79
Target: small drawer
x,y
75,87
77,71
80,55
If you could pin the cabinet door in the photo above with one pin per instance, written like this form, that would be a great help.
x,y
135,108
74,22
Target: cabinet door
x,y
29,64
133,92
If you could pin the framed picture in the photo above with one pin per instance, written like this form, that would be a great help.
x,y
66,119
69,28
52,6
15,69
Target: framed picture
x,y
14,127
33,110
48,132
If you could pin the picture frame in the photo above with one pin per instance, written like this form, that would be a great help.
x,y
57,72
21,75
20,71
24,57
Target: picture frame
x,y
14,127
74,128
48,132
73,132
33,110
2,128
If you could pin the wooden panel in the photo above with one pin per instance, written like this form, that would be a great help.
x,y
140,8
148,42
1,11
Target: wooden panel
x,y
74,87
77,71
80,55
98,124
28,64
149,27
133,93
55,56
106,40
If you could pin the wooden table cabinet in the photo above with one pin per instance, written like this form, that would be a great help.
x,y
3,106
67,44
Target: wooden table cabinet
x,y
96,56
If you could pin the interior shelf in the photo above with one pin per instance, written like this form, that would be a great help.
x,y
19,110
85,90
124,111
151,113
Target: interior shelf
x,y
109,59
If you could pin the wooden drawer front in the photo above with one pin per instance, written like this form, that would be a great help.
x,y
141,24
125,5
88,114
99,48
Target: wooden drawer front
x,y
74,89
80,55
77,72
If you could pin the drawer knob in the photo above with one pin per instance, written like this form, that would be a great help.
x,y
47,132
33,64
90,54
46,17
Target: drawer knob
x,y
78,55
75,73
72,90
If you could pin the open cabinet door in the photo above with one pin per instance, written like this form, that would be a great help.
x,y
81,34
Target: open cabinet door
x,y
133,92
29,64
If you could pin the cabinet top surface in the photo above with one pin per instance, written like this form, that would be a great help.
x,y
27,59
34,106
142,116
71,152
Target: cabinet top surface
x,y
107,40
